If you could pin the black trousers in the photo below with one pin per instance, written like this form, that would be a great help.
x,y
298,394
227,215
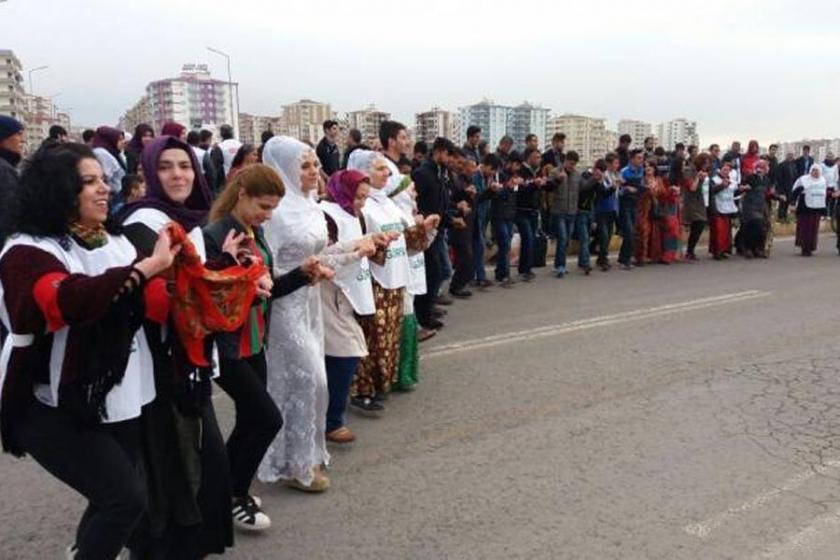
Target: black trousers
x,y
257,418
464,266
424,304
695,231
103,463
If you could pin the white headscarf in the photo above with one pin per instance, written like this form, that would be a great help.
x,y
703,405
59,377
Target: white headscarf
x,y
296,212
362,160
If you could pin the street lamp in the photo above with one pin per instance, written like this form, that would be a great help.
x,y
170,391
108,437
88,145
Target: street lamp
x,y
30,77
230,87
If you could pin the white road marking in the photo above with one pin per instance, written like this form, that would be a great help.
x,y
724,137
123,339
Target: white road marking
x,y
704,528
820,533
583,324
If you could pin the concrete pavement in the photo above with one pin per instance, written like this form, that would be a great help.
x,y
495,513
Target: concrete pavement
x,y
674,412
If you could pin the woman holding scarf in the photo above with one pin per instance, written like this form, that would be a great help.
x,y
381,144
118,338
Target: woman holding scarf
x,y
297,378
190,495
246,203
76,370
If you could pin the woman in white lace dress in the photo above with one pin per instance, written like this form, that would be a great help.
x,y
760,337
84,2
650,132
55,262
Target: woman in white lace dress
x,y
296,372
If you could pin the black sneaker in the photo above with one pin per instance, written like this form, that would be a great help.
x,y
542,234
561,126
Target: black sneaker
x,y
366,406
432,324
443,300
527,276
247,515
460,293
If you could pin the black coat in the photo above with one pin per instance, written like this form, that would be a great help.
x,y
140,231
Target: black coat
x,y
8,191
431,182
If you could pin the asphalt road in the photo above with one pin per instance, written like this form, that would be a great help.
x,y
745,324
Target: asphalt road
x,y
675,412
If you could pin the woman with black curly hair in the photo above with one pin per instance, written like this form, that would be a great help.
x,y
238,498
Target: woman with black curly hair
x,y
76,369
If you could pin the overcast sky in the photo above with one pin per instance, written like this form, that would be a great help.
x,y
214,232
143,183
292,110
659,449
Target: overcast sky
x,y
747,69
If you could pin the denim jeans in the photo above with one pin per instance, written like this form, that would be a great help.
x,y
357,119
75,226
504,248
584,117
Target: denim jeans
x,y
606,226
340,373
627,227
479,272
442,246
503,230
564,229
526,224
583,223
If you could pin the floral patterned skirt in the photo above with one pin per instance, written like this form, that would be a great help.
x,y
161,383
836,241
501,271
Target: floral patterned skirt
x,y
383,330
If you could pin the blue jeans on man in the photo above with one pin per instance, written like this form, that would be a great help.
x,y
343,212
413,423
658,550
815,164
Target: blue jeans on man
x,y
526,223
564,225
583,225
503,230
627,227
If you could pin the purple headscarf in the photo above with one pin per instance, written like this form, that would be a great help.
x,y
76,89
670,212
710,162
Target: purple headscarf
x,y
343,186
193,211
136,143
108,137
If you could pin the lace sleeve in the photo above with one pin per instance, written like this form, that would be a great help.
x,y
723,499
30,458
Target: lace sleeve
x,y
338,255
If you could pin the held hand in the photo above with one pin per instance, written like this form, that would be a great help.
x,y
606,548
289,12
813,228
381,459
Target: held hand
x,y
323,273
632,190
431,222
366,247
309,266
232,243
459,223
471,190
495,186
264,285
418,219
162,257
463,206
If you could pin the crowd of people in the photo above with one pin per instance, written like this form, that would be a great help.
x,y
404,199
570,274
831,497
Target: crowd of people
x,y
137,270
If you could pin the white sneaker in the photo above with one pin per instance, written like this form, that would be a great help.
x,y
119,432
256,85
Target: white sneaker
x,y
247,515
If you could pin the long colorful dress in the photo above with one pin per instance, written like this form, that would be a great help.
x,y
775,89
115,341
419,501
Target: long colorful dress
x,y
669,226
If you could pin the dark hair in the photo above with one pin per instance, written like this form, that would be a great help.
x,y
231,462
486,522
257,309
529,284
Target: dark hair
x,y
530,137
473,130
651,138
88,134
226,132
635,152
506,139
714,146
458,152
420,147
515,157
48,197
442,144
610,157
404,161
528,152
659,151
389,130
205,135
692,148
128,183
573,156
600,164
773,146
244,151
329,123
355,135
56,131
625,139
652,163
558,136
728,158
266,136
193,138
492,161
679,146
482,146
806,147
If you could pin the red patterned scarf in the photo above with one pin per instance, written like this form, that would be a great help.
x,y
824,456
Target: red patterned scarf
x,y
208,301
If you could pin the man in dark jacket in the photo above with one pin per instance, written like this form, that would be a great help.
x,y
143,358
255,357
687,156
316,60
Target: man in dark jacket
x,y
327,149
502,190
354,142
786,176
462,217
623,150
527,210
431,182
804,162
473,140
11,152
